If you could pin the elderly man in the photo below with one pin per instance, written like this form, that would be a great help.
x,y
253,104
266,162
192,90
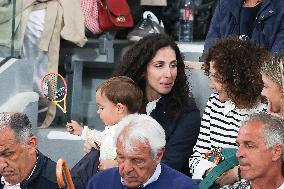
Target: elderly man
x,y
260,153
140,147
22,166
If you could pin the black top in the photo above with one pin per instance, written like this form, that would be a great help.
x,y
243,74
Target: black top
x,y
181,135
247,21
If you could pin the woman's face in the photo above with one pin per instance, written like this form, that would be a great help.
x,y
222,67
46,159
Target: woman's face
x,y
216,85
161,73
273,93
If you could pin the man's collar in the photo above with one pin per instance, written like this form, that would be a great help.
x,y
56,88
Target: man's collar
x,y
32,176
152,179
8,185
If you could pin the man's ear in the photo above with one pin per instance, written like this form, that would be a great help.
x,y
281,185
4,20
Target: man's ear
x,y
31,146
120,107
32,141
277,152
159,156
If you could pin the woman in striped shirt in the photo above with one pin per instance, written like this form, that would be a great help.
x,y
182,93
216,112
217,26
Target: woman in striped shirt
x,y
234,69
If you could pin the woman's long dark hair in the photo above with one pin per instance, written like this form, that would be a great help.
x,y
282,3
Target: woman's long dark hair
x,y
134,65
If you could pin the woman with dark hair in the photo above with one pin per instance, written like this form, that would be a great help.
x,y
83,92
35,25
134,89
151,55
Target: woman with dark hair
x,y
155,63
234,69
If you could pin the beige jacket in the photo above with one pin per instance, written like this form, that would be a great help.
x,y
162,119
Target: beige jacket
x,y
63,18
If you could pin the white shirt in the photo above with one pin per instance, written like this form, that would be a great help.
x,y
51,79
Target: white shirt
x,y
151,106
281,187
152,179
105,138
8,185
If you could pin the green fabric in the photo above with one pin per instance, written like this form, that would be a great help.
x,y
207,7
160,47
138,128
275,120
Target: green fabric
x,y
230,161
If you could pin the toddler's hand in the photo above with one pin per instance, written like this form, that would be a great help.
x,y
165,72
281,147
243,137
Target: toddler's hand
x,y
89,144
74,128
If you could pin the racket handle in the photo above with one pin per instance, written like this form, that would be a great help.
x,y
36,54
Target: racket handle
x,y
67,118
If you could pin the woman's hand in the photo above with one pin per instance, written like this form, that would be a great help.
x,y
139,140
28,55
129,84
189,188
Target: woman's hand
x,y
74,128
106,164
228,177
207,172
89,144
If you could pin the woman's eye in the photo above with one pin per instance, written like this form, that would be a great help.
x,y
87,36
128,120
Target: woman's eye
x,y
158,65
173,65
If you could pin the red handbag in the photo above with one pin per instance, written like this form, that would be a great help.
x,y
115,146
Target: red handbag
x,y
114,14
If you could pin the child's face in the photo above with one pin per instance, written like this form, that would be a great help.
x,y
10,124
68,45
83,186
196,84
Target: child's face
x,y
108,111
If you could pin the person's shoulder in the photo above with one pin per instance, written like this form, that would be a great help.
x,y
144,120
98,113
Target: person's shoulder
x,y
227,6
102,178
49,170
214,99
260,107
45,175
227,2
176,178
190,105
190,113
109,172
214,96
277,2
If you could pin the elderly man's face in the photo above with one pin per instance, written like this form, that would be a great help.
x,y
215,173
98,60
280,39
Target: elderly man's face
x,y
16,160
138,165
254,157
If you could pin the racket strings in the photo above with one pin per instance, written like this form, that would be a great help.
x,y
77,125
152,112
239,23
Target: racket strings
x,y
54,87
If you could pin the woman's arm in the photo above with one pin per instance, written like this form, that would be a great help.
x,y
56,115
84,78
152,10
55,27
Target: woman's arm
x,y
182,138
214,29
197,163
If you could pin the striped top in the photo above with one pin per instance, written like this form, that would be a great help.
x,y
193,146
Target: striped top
x,y
219,128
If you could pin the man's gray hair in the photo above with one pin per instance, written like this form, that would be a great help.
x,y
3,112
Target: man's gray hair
x,y
144,129
273,130
19,123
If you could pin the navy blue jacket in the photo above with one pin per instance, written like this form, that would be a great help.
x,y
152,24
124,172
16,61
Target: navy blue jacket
x,y
43,177
169,178
85,169
181,135
268,31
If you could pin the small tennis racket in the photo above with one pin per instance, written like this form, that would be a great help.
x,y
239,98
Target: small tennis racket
x,y
54,88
